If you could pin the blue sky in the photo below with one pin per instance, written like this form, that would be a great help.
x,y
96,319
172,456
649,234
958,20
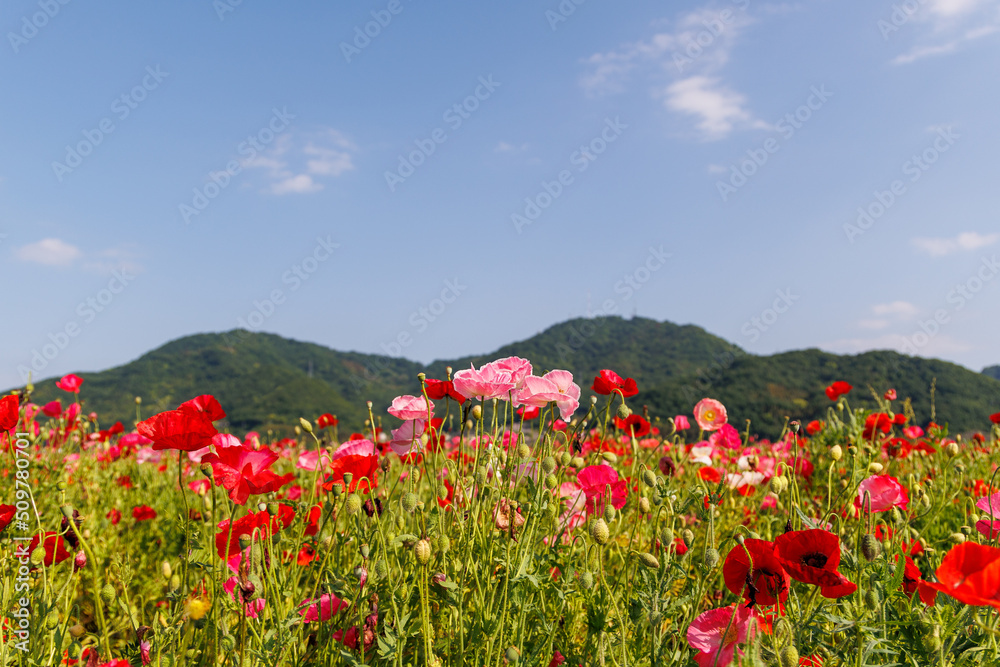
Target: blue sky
x,y
785,175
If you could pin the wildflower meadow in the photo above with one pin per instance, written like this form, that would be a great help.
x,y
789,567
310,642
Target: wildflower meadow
x,y
495,517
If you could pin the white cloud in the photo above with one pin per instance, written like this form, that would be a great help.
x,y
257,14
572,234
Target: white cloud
x,y
504,147
938,247
873,324
50,252
690,57
900,309
718,110
941,27
296,164
941,345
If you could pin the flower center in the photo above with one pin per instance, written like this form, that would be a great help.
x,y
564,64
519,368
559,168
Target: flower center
x,y
710,415
815,560
731,635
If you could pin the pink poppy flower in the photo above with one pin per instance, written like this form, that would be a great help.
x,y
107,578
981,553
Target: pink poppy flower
x,y
410,407
554,387
245,472
710,414
70,383
913,432
726,437
311,460
885,492
716,633
681,423
329,604
594,480
518,368
407,435
148,455
486,383
53,409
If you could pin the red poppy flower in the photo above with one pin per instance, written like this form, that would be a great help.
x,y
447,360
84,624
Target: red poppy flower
x,y
306,555
70,383
608,382
878,421
359,458
124,481
312,520
143,513
205,404
115,516
911,575
995,418
814,427
7,513
838,389
812,557
326,420
680,546
55,548
970,573
438,389
526,412
245,472
261,523
766,584
710,474
186,430
52,409
634,424
9,412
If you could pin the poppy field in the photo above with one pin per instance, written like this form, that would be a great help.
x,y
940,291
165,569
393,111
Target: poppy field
x,y
498,517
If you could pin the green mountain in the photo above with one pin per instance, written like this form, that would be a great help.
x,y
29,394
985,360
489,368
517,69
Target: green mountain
x,y
266,381
992,371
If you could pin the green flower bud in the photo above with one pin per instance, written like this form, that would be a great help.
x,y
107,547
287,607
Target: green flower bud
x,y
789,656
409,502
578,462
52,620
870,548
548,465
61,486
75,649
353,504
609,513
551,481
306,426
523,451
348,478
511,655
481,477
422,551
565,458
599,532
228,643
624,412
175,582
38,556
381,569
400,523
649,560
67,511
711,558
688,537
836,453
648,478
610,457
871,599
666,537
644,505
587,580
444,544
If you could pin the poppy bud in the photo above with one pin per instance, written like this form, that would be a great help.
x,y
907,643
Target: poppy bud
x,y
711,558
481,477
739,539
666,537
512,655
381,570
649,560
421,376
610,457
175,582
80,561
648,478
688,537
61,486
166,569
644,505
52,620
67,511
353,504
623,411
952,449
789,656
779,484
871,599
609,513
422,551
306,426
523,451
599,531
476,412
337,489
875,468
578,462
836,453
261,507
870,548
548,465
75,649
587,580
37,556
957,538
409,502
566,458
551,481
245,541
444,544
138,400
932,640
